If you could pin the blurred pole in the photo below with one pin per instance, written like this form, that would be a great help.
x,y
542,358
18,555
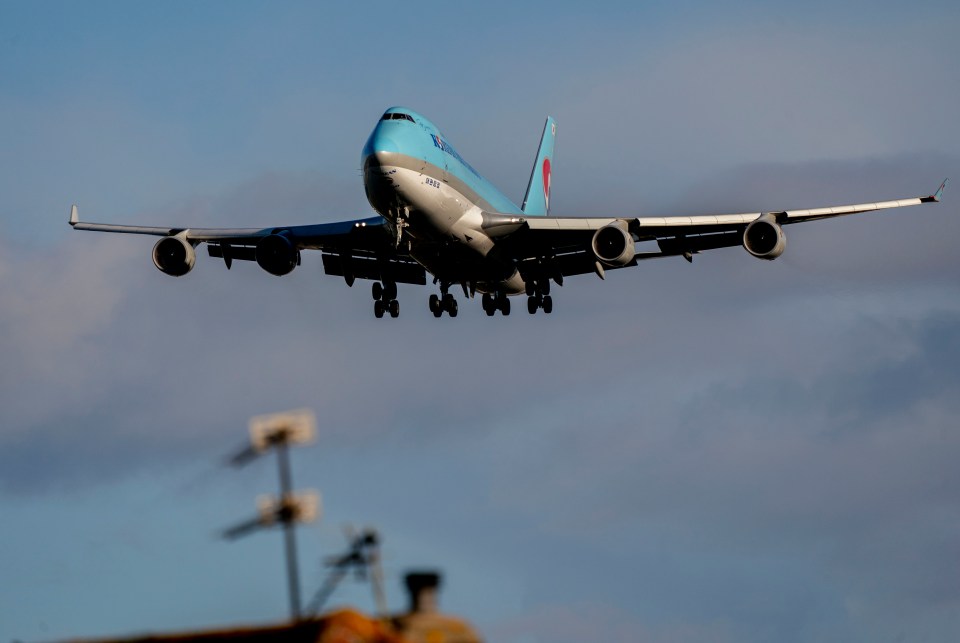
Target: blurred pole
x,y
288,515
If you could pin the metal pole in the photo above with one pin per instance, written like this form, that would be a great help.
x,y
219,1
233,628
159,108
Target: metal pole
x,y
283,459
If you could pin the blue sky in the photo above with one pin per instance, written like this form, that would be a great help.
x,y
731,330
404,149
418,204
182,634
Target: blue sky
x,y
729,450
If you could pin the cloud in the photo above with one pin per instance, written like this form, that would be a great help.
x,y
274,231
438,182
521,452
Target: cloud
x,y
731,449
844,463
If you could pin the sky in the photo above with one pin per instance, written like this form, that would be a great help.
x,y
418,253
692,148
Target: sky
x,y
733,450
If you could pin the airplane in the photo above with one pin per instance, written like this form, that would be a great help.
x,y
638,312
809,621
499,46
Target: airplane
x,y
437,215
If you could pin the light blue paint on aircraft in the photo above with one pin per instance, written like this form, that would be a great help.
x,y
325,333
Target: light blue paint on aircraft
x,y
536,201
427,142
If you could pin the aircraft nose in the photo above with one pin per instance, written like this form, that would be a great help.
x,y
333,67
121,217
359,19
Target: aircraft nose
x,y
381,147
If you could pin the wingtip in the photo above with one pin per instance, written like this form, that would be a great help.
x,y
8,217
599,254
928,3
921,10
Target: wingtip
x,y
74,217
939,193
936,196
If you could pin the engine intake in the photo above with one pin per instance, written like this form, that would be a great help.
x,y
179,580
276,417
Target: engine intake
x,y
764,238
277,255
613,244
174,256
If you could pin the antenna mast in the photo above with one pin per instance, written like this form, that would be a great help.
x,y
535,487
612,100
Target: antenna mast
x,y
279,431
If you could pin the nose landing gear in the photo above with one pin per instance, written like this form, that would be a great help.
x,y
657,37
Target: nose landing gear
x,y
493,303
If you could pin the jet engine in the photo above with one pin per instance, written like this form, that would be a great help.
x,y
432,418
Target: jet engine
x,y
174,256
613,245
764,238
277,255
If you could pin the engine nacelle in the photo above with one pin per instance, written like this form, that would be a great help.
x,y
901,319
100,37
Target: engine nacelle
x,y
277,255
764,238
174,256
613,245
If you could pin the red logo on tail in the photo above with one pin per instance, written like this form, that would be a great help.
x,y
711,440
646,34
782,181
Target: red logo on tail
x,y
546,183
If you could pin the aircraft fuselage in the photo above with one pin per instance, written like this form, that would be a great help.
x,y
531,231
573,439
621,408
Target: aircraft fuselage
x,y
434,200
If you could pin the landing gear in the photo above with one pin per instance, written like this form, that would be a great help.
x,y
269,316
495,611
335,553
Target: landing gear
x,y
540,302
493,303
489,306
450,305
446,303
385,299
538,297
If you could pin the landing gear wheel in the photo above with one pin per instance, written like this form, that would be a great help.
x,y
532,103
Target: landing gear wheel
x,y
544,287
389,291
449,304
547,304
505,306
435,305
532,305
378,308
394,307
377,291
531,288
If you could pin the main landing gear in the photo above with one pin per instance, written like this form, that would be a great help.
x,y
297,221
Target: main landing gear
x,y
538,297
493,303
385,299
445,302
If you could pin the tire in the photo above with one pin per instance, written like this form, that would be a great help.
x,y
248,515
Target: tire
x,y
378,308
490,310
532,305
531,288
545,287
548,304
452,309
505,306
390,291
377,291
394,307
435,304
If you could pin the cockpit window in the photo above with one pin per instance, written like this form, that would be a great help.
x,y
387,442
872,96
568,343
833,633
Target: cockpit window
x,y
397,116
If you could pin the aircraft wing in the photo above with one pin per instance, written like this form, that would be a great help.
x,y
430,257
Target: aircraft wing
x,y
566,241
354,249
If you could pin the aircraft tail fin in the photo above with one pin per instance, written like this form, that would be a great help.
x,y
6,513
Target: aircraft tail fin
x,y
536,202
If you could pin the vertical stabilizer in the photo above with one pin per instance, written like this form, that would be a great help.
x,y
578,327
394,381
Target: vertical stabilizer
x,y
536,202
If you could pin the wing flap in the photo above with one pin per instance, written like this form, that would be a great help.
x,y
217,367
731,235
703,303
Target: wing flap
x,y
353,267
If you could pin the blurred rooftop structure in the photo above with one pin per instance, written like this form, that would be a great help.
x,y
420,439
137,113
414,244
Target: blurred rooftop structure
x,y
421,623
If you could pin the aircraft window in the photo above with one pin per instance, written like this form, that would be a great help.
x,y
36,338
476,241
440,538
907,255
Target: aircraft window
x,y
397,116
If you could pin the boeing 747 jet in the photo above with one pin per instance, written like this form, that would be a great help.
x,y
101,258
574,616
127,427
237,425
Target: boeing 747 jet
x,y
438,216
